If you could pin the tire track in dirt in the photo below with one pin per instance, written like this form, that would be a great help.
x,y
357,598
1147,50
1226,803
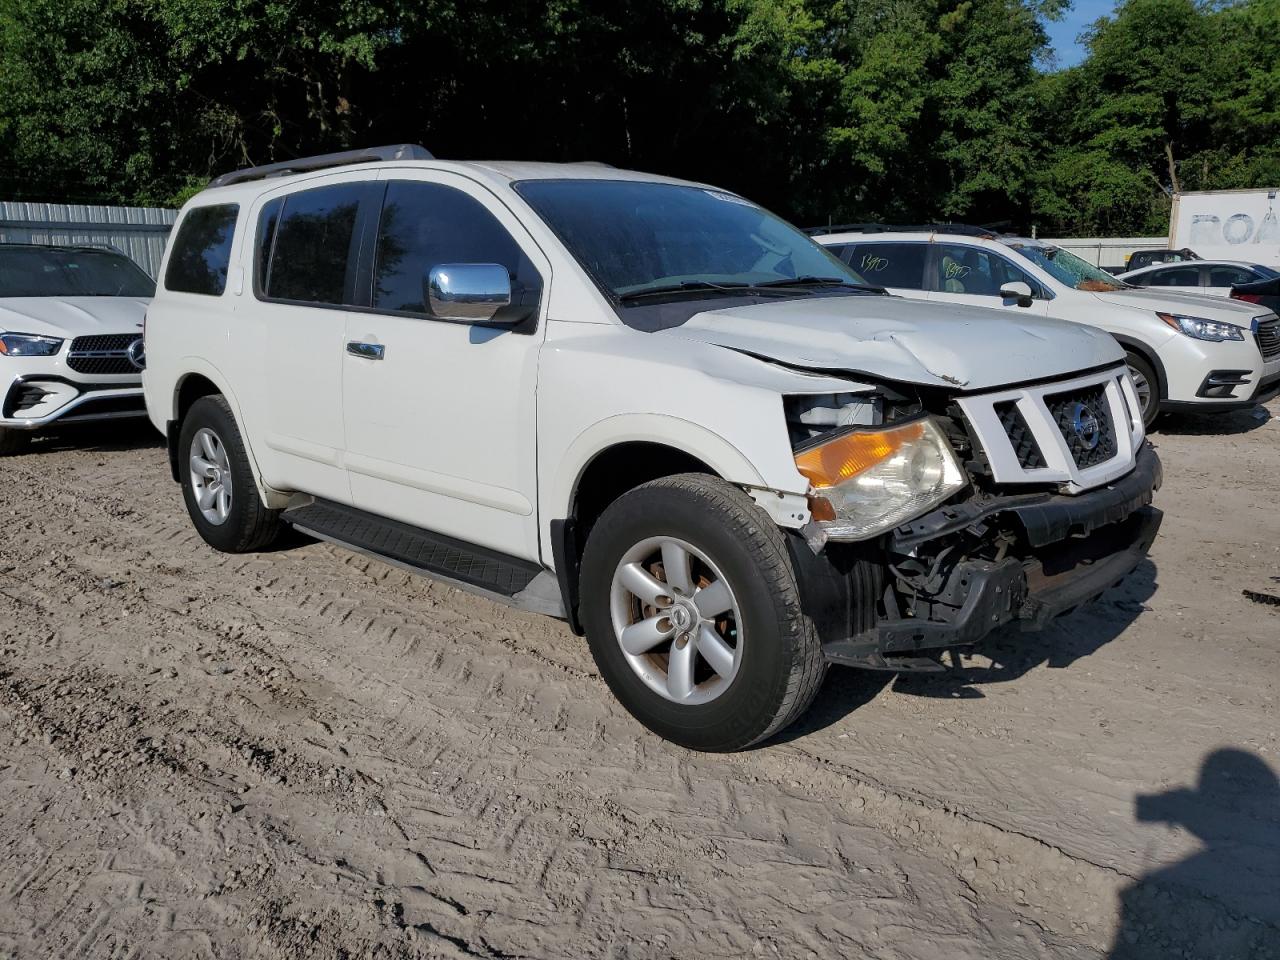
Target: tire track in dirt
x,y
520,809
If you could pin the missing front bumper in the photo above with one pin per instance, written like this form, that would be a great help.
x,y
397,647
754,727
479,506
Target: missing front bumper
x,y
1068,553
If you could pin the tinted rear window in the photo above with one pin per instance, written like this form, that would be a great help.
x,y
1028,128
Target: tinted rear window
x,y
316,244
890,264
201,251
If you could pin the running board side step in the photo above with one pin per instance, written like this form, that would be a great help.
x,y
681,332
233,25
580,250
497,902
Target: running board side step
x,y
475,569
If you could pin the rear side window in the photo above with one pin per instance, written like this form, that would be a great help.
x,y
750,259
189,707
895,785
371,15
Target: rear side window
x,y
1176,277
1230,276
890,264
427,224
313,259
201,251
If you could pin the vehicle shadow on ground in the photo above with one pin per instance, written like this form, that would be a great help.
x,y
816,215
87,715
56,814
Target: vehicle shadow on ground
x,y
108,437
1007,654
1216,424
1222,901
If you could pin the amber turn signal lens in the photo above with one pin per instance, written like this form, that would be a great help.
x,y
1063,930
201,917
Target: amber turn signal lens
x,y
847,456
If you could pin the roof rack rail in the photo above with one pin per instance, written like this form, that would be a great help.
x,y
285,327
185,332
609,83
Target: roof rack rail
x,y
960,229
399,151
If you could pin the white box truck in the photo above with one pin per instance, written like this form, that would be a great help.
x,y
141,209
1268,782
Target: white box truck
x,y
1228,224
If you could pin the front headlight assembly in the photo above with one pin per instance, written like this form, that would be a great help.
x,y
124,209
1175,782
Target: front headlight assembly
x,y
1202,329
866,481
28,345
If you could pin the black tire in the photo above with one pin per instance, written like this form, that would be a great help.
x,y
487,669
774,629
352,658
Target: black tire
x,y
249,525
13,441
1139,366
781,666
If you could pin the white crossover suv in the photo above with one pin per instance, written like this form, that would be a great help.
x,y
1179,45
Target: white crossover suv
x,y
1186,351
645,406
70,337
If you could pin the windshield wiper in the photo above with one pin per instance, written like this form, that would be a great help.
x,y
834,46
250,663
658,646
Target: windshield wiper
x,y
813,281
684,286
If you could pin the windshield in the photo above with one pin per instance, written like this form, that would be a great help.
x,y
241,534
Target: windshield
x,y
1069,269
641,238
59,272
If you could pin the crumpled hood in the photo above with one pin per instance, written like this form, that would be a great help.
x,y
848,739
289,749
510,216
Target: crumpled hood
x,y
1190,304
69,317
914,341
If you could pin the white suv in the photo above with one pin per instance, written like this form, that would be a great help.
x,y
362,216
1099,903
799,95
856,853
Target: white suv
x,y
645,406
1186,351
70,337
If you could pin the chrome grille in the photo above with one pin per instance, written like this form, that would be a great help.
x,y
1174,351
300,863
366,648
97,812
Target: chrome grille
x,y
103,354
1267,333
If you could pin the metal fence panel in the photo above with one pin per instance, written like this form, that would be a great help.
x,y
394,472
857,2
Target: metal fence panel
x,y
138,232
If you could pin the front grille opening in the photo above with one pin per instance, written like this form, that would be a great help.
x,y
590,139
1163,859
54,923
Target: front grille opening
x,y
104,342
103,354
1019,434
1268,337
1084,418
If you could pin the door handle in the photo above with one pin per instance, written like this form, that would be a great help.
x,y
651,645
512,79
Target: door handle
x,y
370,351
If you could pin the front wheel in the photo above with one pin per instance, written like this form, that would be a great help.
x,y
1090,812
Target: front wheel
x,y
693,615
1146,386
217,481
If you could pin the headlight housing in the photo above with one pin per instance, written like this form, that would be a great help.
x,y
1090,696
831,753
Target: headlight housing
x,y
864,482
1202,329
28,345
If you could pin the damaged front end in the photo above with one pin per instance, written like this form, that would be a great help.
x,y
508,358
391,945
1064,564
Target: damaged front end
x,y
994,551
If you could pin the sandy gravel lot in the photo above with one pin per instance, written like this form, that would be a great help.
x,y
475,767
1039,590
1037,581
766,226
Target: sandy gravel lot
x,y
308,753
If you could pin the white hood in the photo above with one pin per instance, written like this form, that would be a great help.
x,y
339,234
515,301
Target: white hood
x,y
69,317
1188,304
913,341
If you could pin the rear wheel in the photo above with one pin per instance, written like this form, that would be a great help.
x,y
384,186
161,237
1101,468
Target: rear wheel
x,y
1146,385
693,614
218,484
13,441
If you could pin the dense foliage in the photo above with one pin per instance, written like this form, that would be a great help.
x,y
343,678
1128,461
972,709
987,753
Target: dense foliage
x,y
841,109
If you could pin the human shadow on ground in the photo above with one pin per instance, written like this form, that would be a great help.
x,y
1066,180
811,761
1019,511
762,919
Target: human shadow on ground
x,y
1007,654
1224,901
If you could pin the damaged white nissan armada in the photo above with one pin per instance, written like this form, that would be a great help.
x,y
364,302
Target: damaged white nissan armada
x,y
645,406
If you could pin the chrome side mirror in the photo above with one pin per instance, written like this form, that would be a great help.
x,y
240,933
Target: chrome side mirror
x,y
468,292
1017,290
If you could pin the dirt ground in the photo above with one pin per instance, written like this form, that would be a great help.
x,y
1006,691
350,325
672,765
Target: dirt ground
x,y
308,753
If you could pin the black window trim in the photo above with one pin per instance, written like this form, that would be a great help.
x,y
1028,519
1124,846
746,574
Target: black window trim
x,y
162,281
368,218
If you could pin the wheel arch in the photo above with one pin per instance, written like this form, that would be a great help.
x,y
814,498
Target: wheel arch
x,y
203,380
1148,354
613,457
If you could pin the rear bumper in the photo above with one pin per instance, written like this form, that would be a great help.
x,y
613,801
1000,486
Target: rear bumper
x,y
1058,552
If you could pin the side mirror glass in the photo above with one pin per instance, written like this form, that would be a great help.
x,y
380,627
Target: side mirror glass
x,y
468,292
1017,290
